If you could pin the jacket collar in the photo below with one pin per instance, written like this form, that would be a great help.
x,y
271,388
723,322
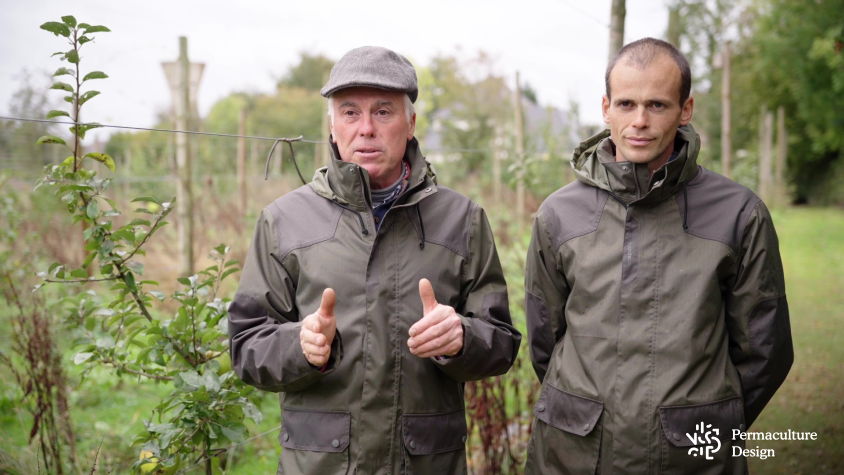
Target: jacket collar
x,y
348,184
594,164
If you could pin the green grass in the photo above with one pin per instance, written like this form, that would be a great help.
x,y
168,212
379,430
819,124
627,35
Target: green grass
x,y
812,398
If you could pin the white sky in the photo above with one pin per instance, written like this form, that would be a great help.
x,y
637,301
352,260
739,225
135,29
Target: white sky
x,y
559,46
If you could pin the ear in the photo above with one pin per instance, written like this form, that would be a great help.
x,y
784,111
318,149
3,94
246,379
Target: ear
x,y
412,129
331,131
605,108
687,111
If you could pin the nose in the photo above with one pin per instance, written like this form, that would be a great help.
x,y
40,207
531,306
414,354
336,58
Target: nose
x,y
367,126
640,120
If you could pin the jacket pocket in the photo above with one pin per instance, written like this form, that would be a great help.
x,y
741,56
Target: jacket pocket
x,y
698,438
566,436
434,443
315,441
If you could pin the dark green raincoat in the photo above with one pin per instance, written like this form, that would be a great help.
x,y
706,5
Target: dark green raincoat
x,y
654,303
376,408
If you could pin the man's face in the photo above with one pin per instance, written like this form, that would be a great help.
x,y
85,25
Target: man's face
x,y
371,129
645,111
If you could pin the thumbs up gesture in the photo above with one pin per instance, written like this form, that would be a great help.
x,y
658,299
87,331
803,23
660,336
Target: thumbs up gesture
x,y
318,331
439,332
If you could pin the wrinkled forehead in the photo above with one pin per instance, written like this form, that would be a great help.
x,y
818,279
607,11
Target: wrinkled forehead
x,y
361,96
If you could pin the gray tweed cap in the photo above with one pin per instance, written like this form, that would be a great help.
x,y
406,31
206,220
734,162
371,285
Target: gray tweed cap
x,y
372,66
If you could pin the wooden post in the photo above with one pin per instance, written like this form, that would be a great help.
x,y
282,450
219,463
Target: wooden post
x,y
184,194
617,14
241,162
765,145
726,125
183,78
520,149
322,155
672,35
782,155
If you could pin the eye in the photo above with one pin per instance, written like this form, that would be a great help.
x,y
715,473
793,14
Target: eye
x,y
624,104
382,112
658,106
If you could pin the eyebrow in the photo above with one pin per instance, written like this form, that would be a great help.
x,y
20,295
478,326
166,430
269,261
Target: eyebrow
x,y
380,103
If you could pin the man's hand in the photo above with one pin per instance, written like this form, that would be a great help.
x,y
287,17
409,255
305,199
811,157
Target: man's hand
x,y
439,332
318,330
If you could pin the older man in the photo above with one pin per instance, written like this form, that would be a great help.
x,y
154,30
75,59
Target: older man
x,y
656,305
370,295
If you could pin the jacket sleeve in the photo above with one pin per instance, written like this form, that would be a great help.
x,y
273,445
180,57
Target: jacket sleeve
x,y
264,322
546,292
490,342
757,315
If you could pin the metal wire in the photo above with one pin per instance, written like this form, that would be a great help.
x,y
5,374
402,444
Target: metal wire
x,y
174,131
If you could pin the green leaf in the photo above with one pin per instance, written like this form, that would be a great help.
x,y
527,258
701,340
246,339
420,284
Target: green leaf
x,y
252,412
95,75
184,281
145,199
50,139
93,209
103,158
83,26
72,56
192,379
57,113
80,130
96,29
79,273
80,358
88,95
83,39
56,28
130,281
62,86
63,72
69,20
234,434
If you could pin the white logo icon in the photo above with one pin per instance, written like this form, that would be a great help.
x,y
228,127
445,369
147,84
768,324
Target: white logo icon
x,y
705,439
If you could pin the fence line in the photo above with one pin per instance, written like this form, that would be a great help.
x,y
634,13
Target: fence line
x,y
217,134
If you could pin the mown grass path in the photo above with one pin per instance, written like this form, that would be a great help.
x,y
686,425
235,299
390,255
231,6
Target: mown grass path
x,y
812,398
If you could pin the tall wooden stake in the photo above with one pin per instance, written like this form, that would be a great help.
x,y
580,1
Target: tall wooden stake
x,y
617,14
241,162
520,149
726,114
782,155
765,146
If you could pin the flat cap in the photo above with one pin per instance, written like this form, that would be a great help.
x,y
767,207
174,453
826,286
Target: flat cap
x,y
373,66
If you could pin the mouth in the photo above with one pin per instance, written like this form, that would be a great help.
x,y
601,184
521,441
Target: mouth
x,y
639,141
367,152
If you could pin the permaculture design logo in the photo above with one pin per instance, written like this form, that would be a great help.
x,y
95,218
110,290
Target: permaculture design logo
x,y
705,439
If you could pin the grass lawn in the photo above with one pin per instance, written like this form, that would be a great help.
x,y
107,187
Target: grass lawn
x,y
812,398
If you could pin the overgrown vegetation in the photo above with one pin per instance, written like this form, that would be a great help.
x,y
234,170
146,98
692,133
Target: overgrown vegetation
x,y
129,326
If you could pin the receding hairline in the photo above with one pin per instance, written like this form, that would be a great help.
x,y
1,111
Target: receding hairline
x,y
642,53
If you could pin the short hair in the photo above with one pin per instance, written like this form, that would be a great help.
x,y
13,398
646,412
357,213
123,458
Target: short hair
x,y
642,52
409,110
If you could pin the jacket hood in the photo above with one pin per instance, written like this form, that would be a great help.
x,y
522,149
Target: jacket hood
x,y
348,184
594,164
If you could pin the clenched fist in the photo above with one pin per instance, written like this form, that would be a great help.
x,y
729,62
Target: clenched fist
x,y
318,331
439,332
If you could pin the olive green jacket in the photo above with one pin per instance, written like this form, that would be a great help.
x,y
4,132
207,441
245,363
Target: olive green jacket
x,y
654,303
376,408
